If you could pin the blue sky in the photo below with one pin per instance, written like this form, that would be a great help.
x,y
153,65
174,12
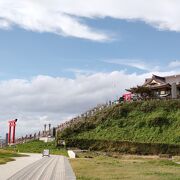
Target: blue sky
x,y
26,53
60,58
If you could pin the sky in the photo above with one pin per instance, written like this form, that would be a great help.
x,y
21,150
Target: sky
x,y
60,58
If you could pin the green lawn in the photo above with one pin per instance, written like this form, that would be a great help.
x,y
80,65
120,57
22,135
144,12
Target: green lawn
x,y
6,156
37,146
125,167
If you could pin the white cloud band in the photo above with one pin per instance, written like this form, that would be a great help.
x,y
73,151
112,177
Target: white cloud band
x,y
60,16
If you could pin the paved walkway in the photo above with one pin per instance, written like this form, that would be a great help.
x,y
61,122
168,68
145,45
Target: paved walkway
x,y
7,170
46,168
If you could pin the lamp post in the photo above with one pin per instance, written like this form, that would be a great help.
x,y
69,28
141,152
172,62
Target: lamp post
x,y
49,129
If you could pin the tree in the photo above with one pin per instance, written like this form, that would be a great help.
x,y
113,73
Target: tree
x,y
144,92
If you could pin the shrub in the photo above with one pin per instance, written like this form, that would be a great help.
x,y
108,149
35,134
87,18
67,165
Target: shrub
x,y
177,139
140,124
147,107
158,119
124,110
122,123
124,146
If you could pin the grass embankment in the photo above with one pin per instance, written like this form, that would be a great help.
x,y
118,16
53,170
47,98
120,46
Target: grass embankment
x,y
6,156
37,146
146,121
125,167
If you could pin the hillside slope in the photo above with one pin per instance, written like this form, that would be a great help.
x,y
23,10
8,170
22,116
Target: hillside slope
x,y
146,121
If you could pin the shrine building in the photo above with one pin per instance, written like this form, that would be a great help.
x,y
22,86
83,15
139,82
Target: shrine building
x,y
167,86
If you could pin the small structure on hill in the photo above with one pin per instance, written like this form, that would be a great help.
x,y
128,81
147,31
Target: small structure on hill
x,y
48,135
159,87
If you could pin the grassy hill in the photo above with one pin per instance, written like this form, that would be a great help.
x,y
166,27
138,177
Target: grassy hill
x,y
146,121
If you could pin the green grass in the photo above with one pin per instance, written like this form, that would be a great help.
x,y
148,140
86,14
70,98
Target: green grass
x,y
6,156
37,146
125,167
146,121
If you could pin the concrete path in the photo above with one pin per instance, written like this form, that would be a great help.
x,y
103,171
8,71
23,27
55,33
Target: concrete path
x,y
7,170
47,168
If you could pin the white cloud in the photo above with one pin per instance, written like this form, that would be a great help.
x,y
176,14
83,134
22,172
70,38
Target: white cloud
x,y
45,99
63,17
44,16
4,24
139,64
174,64
80,71
163,14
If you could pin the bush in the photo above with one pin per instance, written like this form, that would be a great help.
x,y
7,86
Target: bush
x,y
124,146
147,107
124,110
177,139
122,123
158,119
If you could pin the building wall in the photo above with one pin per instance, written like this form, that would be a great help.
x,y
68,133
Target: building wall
x,y
174,90
173,79
178,91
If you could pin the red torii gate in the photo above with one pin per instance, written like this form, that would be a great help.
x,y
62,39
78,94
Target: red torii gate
x,y
12,124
